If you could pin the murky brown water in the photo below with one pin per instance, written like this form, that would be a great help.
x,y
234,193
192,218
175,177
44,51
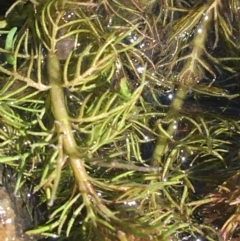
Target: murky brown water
x,y
13,218
11,227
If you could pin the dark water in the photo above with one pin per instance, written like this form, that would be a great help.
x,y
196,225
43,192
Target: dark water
x,y
4,5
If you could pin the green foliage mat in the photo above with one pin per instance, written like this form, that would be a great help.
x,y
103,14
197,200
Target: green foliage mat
x,y
122,117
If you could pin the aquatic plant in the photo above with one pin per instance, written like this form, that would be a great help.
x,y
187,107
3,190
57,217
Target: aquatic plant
x,y
122,117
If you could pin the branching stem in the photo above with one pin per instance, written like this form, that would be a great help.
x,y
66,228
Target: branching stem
x,y
61,116
69,144
163,140
188,77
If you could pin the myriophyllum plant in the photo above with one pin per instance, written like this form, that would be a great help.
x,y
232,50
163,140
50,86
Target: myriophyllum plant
x,y
104,117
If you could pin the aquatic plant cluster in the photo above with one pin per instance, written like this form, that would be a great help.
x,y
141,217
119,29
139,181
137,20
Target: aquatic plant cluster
x,y
121,118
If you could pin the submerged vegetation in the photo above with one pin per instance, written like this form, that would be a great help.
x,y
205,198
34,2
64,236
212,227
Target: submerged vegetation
x,y
121,117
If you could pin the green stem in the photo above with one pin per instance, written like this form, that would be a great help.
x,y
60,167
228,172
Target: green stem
x,y
188,76
163,140
62,120
65,129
